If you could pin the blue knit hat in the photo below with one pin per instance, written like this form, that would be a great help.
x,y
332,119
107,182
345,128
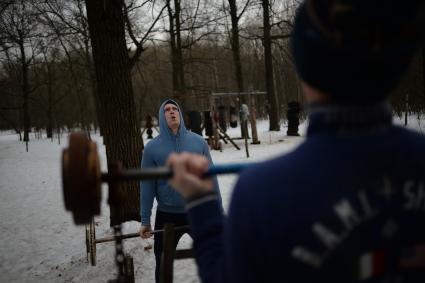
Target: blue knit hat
x,y
170,101
356,50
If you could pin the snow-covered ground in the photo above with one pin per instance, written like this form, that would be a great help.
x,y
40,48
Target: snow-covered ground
x,y
40,243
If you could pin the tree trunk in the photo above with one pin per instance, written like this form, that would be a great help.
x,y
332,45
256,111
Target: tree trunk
x,y
176,85
25,93
423,72
179,51
49,129
179,81
273,101
116,99
235,47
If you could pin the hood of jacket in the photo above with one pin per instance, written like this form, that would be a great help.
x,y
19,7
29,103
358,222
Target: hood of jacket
x,y
165,131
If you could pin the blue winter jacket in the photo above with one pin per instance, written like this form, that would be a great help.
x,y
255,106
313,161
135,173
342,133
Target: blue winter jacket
x,y
156,154
348,205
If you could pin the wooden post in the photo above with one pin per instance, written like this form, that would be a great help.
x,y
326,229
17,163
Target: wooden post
x,y
129,269
215,143
167,259
253,120
246,139
244,112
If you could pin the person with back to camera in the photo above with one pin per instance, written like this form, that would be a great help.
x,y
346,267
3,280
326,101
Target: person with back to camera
x,y
348,205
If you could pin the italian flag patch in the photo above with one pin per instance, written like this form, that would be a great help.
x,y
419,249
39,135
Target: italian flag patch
x,y
371,265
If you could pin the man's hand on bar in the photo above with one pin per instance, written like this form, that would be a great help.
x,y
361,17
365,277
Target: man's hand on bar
x,y
187,171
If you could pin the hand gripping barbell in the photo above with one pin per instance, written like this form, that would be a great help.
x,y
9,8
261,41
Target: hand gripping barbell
x,y
82,178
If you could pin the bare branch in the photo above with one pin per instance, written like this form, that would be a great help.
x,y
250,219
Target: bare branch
x,y
139,44
243,10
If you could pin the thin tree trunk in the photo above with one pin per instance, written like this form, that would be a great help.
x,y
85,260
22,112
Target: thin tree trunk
x,y
49,129
176,85
423,72
236,54
235,47
273,101
179,81
25,93
179,51
114,87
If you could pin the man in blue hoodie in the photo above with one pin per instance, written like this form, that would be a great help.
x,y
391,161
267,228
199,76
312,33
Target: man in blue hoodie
x,y
348,205
173,137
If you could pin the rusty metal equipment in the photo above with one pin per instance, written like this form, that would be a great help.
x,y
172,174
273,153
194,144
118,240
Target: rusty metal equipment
x,y
82,177
91,240
81,182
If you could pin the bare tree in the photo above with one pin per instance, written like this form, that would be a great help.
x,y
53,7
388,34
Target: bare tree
x,y
18,31
67,21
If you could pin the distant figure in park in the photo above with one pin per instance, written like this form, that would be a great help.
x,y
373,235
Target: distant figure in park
x,y
244,116
348,205
173,137
292,115
149,126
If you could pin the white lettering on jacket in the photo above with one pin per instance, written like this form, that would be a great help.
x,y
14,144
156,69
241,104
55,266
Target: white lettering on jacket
x,y
413,199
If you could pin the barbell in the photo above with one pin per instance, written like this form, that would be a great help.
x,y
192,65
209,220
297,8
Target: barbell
x,y
82,177
92,241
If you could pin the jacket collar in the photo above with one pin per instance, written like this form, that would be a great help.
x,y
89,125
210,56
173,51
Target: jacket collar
x,y
343,119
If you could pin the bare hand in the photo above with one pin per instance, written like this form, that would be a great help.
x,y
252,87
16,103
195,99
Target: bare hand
x,y
187,171
145,231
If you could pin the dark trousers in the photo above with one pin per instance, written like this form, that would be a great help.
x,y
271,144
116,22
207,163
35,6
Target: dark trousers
x,y
178,219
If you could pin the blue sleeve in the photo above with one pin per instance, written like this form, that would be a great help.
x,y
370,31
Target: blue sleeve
x,y
225,252
147,189
206,222
207,154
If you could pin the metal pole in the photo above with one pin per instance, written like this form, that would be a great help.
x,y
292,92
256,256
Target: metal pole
x,y
135,235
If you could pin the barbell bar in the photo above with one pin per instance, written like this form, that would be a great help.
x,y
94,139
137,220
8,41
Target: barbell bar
x,y
82,177
134,235
167,173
